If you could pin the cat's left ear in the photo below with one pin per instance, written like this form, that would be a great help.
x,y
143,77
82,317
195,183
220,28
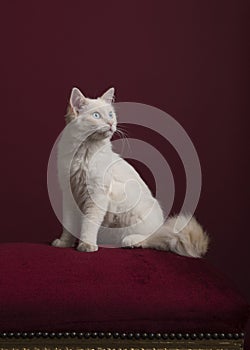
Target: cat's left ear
x,y
77,100
109,95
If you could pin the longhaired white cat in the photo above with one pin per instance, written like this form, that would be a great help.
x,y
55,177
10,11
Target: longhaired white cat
x,y
117,206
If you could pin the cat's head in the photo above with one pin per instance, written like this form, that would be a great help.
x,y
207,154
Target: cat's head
x,y
94,116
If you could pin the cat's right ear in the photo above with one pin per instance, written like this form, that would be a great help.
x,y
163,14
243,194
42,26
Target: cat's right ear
x,y
77,100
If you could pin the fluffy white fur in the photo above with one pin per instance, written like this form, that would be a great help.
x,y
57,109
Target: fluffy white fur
x,y
117,206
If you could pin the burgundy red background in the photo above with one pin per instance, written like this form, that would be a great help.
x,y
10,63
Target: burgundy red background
x,y
188,58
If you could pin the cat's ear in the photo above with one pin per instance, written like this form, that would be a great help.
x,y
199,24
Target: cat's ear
x,y
77,100
109,95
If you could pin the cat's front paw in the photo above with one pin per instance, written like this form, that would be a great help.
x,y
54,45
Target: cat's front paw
x,y
87,247
62,244
132,241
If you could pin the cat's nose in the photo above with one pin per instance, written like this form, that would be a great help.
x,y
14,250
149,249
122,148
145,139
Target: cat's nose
x,y
110,123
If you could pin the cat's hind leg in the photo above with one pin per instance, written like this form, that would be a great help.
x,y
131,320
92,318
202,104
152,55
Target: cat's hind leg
x,y
66,240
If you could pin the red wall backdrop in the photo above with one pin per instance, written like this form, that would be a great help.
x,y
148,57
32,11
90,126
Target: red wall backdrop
x,y
189,58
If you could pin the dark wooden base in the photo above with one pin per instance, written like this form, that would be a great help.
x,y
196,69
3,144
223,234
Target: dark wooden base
x,y
122,341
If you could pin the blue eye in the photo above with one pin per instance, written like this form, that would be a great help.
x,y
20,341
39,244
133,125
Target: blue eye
x,y
110,114
96,115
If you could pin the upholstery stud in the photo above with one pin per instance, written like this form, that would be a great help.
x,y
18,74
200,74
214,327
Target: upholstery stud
x,y
130,335
124,335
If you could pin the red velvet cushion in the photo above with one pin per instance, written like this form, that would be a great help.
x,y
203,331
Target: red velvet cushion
x,y
43,288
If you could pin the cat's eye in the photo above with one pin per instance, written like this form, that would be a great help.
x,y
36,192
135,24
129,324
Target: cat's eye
x,y
96,115
110,114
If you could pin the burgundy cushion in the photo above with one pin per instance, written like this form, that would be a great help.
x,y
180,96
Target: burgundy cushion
x,y
43,288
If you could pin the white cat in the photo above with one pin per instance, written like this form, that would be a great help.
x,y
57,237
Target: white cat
x,y
116,205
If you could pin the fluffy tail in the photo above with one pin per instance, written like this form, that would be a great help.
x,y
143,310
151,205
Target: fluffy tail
x,y
180,234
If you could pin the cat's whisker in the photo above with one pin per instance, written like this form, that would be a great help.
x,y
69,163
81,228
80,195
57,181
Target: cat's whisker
x,y
124,137
123,126
128,144
123,129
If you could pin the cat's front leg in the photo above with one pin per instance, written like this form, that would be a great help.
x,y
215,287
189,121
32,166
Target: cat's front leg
x,y
87,247
91,223
88,240
132,241
65,241
69,223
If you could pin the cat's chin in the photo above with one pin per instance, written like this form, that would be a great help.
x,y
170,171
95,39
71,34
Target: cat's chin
x,y
102,135
106,134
